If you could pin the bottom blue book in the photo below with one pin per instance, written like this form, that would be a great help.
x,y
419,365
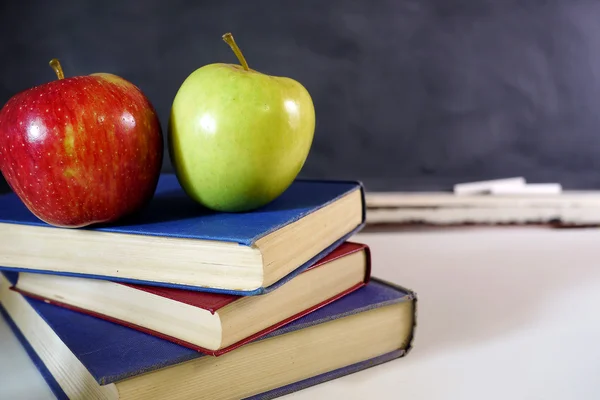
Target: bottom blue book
x,y
83,357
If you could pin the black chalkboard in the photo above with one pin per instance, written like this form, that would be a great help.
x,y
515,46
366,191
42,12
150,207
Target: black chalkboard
x,y
409,94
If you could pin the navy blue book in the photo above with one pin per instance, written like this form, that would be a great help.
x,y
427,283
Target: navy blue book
x,y
174,242
83,357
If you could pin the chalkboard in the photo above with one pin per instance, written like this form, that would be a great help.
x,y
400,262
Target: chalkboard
x,y
409,94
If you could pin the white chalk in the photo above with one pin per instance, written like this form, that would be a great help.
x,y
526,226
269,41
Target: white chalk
x,y
532,188
485,187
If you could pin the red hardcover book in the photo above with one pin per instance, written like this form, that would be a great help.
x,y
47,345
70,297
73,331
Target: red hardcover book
x,y
207,322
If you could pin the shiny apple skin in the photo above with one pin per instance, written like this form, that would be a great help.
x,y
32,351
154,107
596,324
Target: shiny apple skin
x,y
81,150
237,138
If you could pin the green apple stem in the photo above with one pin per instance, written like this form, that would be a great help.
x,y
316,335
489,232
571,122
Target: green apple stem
x,y
228,38
55,64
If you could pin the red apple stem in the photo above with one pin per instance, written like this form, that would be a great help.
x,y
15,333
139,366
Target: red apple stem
x,y
228,38
55,64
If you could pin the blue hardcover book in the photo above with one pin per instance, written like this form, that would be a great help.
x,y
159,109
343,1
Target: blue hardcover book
x,y
85,357
174,242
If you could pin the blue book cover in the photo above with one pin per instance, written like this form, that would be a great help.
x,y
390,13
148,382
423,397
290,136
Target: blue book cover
x,y
172,214
100,345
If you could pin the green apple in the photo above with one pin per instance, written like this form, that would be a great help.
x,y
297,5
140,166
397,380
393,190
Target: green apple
x,y
238,137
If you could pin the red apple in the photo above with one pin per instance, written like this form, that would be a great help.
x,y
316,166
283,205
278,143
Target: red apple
x,y
81,150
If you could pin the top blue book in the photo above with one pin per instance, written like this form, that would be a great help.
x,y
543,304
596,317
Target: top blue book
x,y
174,242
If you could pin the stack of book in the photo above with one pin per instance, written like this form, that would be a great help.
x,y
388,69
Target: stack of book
x,y
178,302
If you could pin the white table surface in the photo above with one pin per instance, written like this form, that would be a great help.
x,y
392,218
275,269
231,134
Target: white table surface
x,y
504,313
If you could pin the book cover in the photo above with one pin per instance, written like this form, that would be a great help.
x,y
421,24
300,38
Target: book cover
x,y
172,214
215,301
99,345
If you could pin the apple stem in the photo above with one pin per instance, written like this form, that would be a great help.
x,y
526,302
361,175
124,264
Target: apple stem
x,y
55,64
228,38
